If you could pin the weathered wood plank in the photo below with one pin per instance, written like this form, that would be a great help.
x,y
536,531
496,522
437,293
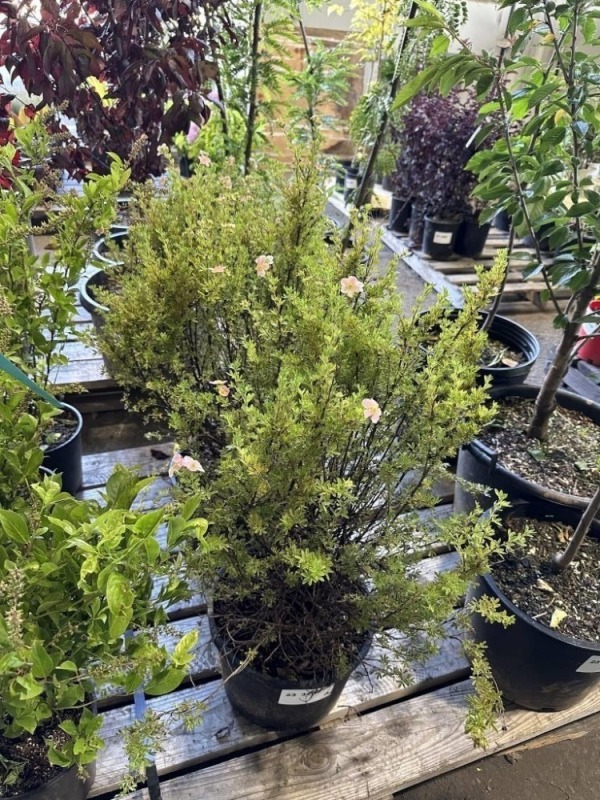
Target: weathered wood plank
x,y
89,373
370,756
97,467
223,731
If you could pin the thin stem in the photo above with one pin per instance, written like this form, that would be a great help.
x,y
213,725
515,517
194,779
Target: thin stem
x,y
253,102
562,560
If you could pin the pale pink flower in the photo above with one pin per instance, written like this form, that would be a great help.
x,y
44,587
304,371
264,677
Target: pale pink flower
x,y
226,181
220,268
263,265
184,462
204,160
193,132
371,409
351,286
222,388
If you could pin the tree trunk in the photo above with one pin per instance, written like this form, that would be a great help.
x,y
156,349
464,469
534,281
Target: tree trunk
x,y
252,105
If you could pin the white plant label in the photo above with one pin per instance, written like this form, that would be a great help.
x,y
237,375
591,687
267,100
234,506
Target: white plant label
x,y
351,183
591,665
441,237
301,697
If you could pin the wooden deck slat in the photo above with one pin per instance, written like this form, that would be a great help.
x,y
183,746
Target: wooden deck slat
x,y
370,756
97,467
223,731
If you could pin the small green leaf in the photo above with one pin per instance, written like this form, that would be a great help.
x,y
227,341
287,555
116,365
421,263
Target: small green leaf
x,y
166,681
537,453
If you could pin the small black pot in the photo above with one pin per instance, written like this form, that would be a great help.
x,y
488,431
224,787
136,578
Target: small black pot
x,y
66,457
471,237
438,238
340,173
533,665
65,786
477,463
502,221
387,184
518,338
118,235
352,179
274,703
400,213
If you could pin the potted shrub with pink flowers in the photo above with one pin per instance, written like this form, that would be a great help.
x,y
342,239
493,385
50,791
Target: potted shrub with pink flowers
x,y
311,422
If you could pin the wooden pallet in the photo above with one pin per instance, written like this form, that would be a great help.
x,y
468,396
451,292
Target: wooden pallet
x,y
381,737
583,378
453,275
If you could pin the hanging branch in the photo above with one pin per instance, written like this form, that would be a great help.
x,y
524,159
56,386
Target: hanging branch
x,y
309,68
361,194
253,101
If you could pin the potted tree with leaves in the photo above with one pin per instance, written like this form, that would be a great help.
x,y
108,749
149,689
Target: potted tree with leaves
x,y
544,448
536,175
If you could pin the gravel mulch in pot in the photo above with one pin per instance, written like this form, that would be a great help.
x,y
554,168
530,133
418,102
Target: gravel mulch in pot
x,y
565,462
567,601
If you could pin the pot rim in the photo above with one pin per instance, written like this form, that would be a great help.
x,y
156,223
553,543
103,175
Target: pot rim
x,y
115,234
527,390
593,647
86,298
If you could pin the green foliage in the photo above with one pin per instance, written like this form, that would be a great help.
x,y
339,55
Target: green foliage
x,y
37,292
549,112
74,577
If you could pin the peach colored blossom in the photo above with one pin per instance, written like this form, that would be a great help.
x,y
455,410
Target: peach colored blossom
x,y
219,269
222,388
263,265
371,409
184,462
351,286
204,160
226,181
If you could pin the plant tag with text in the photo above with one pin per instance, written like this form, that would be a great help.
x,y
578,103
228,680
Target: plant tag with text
x,y
301,697
591,665
351,183
441,237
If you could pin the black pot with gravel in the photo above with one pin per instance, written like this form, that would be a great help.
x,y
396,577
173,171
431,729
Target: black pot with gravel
x,y
548,659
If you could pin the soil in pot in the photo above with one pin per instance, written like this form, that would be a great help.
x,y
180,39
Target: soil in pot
x,y
60,430
566,601
305,652
564,463
35,772
498,354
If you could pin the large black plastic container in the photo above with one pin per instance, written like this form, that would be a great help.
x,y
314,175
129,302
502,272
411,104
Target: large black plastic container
x,y
65,786
87,296
65,458
274,703
477,463
400,211
502,221
471,237
533,665
439,236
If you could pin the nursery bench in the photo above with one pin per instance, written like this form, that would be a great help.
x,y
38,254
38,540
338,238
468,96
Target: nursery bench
x,y
381,737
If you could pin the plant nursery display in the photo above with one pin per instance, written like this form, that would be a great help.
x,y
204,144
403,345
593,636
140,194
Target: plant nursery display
x,y
76,578
111,67
543,444
37,290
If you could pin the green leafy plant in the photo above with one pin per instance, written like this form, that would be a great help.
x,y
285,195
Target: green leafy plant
x,y
537,171
37,291
76,576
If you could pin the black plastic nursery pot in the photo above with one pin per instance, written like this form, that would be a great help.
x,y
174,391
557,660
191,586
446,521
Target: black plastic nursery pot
x,y
118,236
439,236
533,665
477,463
340,173
471,237
502,221
352,179
67,785
415,229
400,213
65,457
274,703
518,338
